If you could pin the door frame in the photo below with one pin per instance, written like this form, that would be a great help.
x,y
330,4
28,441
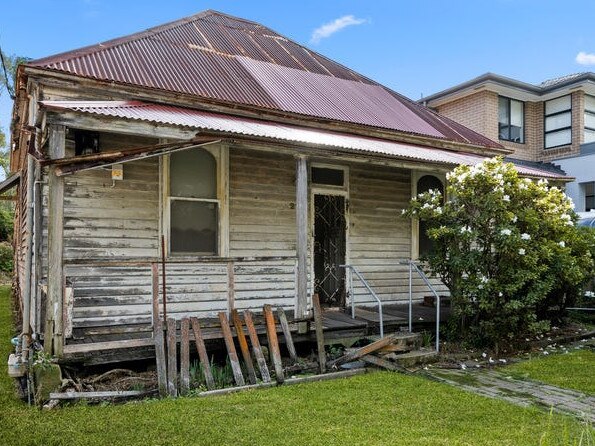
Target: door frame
x,y
323,189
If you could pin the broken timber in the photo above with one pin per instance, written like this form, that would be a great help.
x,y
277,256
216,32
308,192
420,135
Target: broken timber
x,y
202,353
231,350
370,348
237,322
256,349
319,332
273,343
287,335
185,357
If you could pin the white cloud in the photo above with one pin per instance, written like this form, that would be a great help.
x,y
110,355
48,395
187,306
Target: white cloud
x,y
583,58
330,28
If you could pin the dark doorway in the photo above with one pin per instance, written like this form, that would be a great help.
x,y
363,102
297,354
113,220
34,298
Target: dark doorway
x,y
329,249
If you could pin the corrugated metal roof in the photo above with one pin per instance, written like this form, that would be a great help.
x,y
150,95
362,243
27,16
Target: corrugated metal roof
x,y
216,56
239,126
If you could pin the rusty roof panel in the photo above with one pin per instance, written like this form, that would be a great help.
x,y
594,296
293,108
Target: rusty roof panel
x,y
234,125
219,57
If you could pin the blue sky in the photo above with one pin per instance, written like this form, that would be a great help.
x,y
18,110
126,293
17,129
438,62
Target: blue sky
x,y
413,47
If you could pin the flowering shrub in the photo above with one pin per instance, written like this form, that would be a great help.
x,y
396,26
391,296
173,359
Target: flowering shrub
x,y
506,247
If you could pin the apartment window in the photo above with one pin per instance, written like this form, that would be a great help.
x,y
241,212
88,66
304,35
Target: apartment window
x,y
193,203
511,120
589,119
558,122
589,196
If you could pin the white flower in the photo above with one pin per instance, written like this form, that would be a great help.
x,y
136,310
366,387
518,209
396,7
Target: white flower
x,y
426,206
465,229
589,294
506,198
500,294
522,251
483,279
438,210
514,219
506,231
525,236
562,244
565,217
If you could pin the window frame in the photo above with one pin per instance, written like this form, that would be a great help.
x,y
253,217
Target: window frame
x,y
221,155
587,196
509,104
559,113
590,113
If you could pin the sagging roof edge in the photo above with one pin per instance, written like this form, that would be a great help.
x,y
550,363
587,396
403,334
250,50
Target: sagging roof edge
x,y
11,181
508,82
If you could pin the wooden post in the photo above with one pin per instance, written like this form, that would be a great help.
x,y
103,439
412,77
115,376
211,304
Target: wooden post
x,y
231,350
230,287
160,357
202,353
54,340
319,332
237,322
172,360
260,360
287,335
273,343
301,210
185,357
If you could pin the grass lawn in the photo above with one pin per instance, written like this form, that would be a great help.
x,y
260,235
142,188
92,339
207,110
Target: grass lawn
x,y
574,370
374,409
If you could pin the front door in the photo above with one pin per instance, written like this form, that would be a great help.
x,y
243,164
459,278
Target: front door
x,y
329,249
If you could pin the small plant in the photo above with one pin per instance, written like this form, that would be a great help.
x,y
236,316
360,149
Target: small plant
x,y
223,376
427,338
6,257
43,360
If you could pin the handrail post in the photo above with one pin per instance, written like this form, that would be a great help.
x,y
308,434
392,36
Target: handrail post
x,y
410,296
351,292
437,324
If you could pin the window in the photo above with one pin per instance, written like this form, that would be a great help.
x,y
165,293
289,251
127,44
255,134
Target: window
x,y
511,120
194,206
328,176
558,122
589,119
424,184
589,196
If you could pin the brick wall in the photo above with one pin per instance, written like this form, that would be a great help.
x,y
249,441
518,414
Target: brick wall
x,y
479,112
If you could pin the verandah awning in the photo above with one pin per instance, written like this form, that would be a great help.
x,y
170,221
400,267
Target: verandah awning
x,y
245,127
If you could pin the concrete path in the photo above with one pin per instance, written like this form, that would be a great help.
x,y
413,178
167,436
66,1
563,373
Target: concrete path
x,y
522,392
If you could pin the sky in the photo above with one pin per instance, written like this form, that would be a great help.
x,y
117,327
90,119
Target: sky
x,y
414,47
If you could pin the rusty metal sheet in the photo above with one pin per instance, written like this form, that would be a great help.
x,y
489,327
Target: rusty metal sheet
x,y
220,57
234,125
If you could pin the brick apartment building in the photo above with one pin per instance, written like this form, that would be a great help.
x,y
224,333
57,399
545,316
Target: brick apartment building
x,y
550,122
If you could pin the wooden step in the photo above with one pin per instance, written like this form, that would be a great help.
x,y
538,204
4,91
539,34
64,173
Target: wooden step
x,y
411,359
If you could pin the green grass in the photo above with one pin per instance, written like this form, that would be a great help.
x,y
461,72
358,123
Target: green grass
x,y
374,409
574,370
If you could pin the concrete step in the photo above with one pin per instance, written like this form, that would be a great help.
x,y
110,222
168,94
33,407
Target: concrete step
x,y
413,358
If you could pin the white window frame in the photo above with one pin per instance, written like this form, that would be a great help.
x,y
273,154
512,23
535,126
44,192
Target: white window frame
x,y
415,177
221,154
563,112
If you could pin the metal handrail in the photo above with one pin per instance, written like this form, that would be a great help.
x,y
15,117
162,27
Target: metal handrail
x,y
370,290
414,266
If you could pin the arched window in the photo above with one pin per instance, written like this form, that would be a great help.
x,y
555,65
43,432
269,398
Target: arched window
x,y
193,203
424,184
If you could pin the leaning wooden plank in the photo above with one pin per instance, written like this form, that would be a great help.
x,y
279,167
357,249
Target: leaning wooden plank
x,y
319,332
160,356
370,348
289,381
202,353
273,343
172,360
381,362
237,322
287,335
231,350
185,357
260,360
100,395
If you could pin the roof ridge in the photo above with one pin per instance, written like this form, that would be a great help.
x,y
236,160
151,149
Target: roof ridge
x,y
152,31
